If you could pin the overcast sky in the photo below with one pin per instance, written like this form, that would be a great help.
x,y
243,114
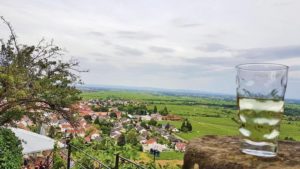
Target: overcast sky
x,y
187,44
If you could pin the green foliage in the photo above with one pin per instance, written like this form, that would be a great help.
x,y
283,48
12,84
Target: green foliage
x,y
113,115
121,140
152,122
186,126
139,109
51,132
167,126
164,112
35,128
131,137
105,125
155,109
10,150
289,138
33,78
88,118
58,161
104,150
106,129
144,124
99,108
97,121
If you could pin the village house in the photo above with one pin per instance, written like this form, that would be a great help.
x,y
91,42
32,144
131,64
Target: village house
x,y
148,144
156,117
142,139
143,132
115,134
113,109
152,144
180,146
125,120
118,114
100,115
145,117
25,122
175,130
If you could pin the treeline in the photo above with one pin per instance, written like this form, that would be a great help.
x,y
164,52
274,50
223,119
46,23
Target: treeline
x,y
142,109
213,103
292,110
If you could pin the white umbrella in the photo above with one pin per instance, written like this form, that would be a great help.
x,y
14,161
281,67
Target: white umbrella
x,y
33,142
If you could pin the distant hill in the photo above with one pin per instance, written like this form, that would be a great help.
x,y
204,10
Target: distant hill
x,y
168,92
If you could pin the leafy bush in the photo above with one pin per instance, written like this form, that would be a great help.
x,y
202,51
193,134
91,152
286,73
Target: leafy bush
x,y
10,150
58,161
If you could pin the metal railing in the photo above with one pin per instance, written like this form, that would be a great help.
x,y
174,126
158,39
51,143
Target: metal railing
x,y
70,147
119,160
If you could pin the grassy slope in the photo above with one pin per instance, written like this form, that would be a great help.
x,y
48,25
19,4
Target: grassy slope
x,y
197,114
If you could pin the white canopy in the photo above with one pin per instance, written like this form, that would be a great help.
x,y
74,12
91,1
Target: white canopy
x,y
33,142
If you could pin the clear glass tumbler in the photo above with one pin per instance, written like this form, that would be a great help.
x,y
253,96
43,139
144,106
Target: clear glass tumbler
x,y
260,98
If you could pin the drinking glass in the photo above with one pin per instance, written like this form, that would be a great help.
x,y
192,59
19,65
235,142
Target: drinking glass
x,y
260,97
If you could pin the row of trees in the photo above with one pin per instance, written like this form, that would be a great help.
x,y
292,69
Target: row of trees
x,y
141,109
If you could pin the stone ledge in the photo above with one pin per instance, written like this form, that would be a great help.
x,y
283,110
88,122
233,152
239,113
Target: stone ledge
x,y
216,152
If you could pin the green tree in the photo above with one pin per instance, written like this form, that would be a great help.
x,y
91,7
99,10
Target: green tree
x,y
144,124
167,127
113,115
104,109
155,109
131,137
106,129
121,140
51,132
88,118
10,150
33,79
164,112
152,122
189,126
97,121
186,126
58,161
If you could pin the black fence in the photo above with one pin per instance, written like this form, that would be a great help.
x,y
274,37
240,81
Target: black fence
x,y
119,160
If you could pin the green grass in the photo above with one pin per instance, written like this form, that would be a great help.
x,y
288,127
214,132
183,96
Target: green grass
x,y
208,116
207,126
169,155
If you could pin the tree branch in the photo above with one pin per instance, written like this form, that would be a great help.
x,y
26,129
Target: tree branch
x,y
12,33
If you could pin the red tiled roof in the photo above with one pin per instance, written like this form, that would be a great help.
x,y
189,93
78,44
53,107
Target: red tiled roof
x,y
119,114
21,126
151,141
87,139
180,146
66,126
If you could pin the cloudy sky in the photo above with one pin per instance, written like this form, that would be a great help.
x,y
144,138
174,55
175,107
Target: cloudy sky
x,y
171,44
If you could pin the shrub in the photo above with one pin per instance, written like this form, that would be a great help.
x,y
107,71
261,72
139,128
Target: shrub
x,y
10,150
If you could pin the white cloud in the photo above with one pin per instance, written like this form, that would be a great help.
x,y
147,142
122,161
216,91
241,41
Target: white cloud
x,y
170,44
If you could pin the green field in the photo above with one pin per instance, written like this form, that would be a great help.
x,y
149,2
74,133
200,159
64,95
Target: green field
x,y
208,116
170,155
